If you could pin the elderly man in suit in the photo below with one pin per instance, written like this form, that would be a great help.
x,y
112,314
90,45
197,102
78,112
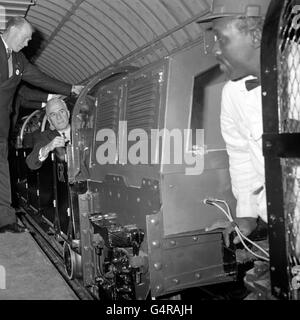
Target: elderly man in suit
x,y
14,67
55,138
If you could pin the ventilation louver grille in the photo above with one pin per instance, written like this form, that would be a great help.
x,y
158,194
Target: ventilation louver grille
x,y
108,111
143,103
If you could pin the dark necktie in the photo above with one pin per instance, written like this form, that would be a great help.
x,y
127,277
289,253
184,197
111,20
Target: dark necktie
x,y
60,152
65,137
252,84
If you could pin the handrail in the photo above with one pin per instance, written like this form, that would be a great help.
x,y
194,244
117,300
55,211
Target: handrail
x,y
25,124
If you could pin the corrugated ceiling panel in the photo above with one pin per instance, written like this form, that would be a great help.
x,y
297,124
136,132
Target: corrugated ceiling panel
x,y
106,43
45,22
84,56
121,23
83,37
55,70
108,26
167,20
61,64
75,61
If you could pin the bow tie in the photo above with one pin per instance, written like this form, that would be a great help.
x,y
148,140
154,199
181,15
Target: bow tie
x,y
8,53
252,84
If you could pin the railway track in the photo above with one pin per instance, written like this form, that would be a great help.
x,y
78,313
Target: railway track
x,y
54,251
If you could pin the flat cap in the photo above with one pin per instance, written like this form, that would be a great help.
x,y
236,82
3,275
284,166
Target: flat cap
x,y
231,8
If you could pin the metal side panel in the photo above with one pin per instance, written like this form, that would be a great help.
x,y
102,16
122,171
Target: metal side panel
x,y
86,236
185,260
183,195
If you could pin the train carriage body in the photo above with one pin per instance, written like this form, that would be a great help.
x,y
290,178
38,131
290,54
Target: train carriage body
x,y
146,151
127,206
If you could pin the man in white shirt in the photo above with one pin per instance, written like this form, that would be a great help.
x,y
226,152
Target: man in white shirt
x,y
55,138
237,27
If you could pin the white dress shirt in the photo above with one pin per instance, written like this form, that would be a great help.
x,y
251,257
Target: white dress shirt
x,y
9,61
242,128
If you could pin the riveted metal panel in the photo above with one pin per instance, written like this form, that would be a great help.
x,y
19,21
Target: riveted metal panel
x,y
185,260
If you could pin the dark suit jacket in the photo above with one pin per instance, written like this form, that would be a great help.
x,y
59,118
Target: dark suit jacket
x,y
30,94
26,98
24,70
41,140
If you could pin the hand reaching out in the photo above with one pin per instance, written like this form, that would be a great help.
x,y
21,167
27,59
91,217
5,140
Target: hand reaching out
x,y
246,226
76,89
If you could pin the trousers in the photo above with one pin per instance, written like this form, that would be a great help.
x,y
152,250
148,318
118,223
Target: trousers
x,y
7,213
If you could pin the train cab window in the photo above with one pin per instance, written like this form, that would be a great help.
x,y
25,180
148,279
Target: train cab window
x,y
205,113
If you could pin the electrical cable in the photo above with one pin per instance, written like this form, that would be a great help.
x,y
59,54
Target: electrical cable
x,y
229,216
236,228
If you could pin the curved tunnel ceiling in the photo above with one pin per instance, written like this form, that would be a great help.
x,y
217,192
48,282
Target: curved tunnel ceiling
x,y
79,38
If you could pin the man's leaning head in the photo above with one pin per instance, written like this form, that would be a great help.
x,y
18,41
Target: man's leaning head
x,y
18,33
237,30
57,114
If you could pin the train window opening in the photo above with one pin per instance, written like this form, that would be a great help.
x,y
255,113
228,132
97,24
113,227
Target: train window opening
x,y
206,103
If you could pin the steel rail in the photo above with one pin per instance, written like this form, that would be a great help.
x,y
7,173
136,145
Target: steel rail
x,y
54,252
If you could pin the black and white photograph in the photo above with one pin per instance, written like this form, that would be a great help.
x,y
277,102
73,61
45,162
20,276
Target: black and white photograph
x,y
148,154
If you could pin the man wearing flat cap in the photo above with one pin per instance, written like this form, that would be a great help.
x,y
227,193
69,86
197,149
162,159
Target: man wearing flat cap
x,y
237,28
